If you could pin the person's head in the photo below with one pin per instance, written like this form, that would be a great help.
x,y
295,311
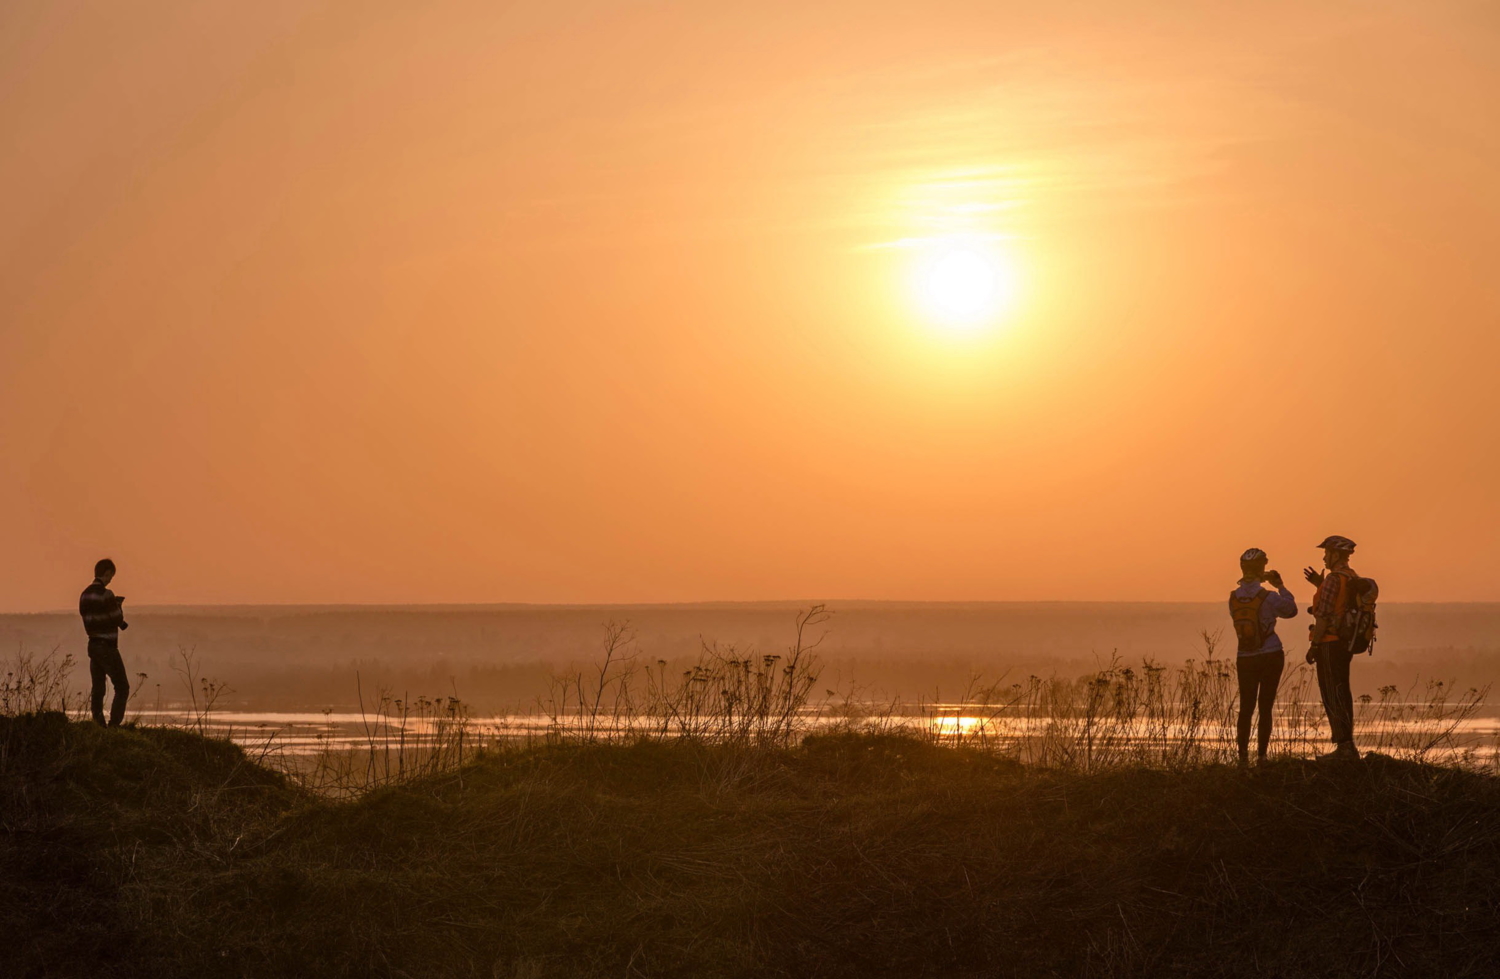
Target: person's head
x,y
1336,551
104,570
1253,564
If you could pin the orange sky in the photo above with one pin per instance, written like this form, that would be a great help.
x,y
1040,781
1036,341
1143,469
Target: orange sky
x,y
462,301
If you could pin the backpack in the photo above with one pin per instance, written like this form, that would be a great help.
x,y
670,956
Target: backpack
x,y
1357,625
1245,614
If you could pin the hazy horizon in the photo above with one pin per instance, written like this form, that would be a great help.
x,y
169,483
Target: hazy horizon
x,y
777,603
498,656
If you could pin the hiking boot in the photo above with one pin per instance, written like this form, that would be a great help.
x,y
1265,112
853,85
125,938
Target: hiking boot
x,y
1244,758
1344,751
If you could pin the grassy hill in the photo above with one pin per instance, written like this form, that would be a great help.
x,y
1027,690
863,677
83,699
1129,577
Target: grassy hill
x,y
158,853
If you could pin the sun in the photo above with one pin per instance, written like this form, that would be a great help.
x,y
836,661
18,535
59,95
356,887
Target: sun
x,y
963,285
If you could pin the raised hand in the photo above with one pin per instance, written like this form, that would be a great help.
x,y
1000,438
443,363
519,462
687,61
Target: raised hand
x,y
1314,576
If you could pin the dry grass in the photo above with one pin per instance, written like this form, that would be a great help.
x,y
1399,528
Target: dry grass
x,y
1142,715
725,696
33,684
404,738
1155,716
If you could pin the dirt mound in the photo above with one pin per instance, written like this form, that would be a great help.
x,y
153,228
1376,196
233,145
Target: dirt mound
x,y
157,853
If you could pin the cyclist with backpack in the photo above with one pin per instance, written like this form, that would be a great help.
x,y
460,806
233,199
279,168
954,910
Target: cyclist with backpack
x,y
1254,610
1343,625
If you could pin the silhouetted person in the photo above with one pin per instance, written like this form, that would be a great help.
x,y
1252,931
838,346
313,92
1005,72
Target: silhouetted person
x,y
103,618
1331,652
1254,611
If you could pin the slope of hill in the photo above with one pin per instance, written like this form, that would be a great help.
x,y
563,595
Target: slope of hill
x,y
157,853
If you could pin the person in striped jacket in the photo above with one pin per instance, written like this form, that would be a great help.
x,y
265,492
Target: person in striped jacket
x,y
103,618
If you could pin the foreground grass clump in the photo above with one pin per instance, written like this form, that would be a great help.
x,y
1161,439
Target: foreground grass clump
x,y
163,854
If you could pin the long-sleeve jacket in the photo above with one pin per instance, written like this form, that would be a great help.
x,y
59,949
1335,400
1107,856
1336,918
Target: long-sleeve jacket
x,y
102,615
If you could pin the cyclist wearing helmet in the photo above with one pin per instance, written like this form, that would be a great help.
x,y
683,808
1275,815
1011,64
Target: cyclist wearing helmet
x,y
1331,656
1254,611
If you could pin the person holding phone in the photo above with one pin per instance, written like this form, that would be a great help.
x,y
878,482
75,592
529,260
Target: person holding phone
x,y
103,618
1254,610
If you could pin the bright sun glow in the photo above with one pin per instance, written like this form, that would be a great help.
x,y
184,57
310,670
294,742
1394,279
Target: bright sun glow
x,y
963,285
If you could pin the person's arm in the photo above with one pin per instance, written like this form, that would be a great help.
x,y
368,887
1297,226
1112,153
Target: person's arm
x,y
115,604
1282,602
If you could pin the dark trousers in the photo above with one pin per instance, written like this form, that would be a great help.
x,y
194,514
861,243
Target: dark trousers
x,y
1260,675
1332,659
105,661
